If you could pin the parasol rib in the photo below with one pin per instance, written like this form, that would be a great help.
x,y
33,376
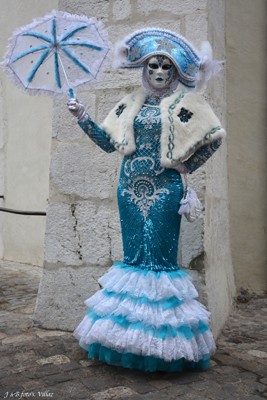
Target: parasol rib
x,y
54,34
73,31
57,75
83,44
37,65
38,36
76,60
27,52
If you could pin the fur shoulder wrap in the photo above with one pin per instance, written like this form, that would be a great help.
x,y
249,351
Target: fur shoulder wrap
x,y
188,123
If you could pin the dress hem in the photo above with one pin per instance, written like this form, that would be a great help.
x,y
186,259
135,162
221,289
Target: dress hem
x,y
144,363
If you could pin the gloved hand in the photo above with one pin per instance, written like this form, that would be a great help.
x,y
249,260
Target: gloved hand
x,y
77,109
181,168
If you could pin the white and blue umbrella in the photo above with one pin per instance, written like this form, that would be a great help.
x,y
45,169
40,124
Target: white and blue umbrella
x,y
57,53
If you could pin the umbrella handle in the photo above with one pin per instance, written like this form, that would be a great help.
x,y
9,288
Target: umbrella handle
x,y
71,93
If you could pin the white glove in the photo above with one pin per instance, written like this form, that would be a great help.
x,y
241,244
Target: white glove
x,y
181,168
78,110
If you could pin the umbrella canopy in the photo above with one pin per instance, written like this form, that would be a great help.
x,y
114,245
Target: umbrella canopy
x,y
57,53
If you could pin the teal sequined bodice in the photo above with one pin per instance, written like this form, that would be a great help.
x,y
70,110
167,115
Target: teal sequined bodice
x,y
149,197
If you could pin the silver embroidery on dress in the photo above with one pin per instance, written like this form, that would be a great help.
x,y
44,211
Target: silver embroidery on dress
x,y
144,194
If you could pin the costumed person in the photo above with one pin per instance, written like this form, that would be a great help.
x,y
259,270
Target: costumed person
x,y
146,316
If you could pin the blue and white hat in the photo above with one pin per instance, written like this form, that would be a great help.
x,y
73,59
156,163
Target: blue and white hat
x,y
192,66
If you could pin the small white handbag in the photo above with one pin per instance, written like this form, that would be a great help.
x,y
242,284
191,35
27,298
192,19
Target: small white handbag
x,y
190,205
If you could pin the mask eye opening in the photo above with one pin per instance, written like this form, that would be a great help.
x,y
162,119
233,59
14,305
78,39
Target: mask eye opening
x,y
166,66
153,66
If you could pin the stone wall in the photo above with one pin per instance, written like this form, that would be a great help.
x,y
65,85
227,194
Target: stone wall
x,y
25,138
83,232
247,110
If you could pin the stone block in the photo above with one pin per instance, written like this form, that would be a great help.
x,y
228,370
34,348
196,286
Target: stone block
x,y
83,169
169,6
77,234
107,100
93,8
62,292
118,32
121,10
114,233
112,79
65,126
199,33
92,228
61,240
191,239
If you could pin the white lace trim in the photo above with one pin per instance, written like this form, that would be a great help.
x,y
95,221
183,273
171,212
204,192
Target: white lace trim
x,y
189,313
152,286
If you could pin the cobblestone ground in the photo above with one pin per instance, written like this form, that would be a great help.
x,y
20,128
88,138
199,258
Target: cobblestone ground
x,y
38,363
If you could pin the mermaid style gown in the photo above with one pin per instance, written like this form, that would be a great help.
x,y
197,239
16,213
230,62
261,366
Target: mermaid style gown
x,y
146,315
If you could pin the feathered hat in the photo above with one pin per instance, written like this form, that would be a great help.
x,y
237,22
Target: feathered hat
x,y
194,67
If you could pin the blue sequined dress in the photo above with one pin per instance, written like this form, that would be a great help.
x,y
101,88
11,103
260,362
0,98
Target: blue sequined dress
x,y
146,315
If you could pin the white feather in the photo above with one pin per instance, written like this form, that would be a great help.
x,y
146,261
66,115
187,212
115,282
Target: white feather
x,y
208,66
120,53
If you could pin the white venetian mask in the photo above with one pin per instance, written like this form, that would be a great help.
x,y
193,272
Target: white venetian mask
x,y
159,72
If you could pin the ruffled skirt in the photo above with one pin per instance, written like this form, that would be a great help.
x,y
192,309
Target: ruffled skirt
x,y
147,320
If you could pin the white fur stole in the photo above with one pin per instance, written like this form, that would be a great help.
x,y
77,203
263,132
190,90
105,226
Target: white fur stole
x,y
188,122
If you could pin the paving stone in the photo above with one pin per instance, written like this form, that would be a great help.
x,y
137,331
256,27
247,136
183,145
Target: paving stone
x,y
32,384
177,390
160,383
47,350
94,382
252,397
10,381
229,360
16,340
90,363
71,390
2,335
142,387
56,359
183,378
5,362
64,376
40,371
43,334
258,353
206,385
153,396
116,393
20,357
71,366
